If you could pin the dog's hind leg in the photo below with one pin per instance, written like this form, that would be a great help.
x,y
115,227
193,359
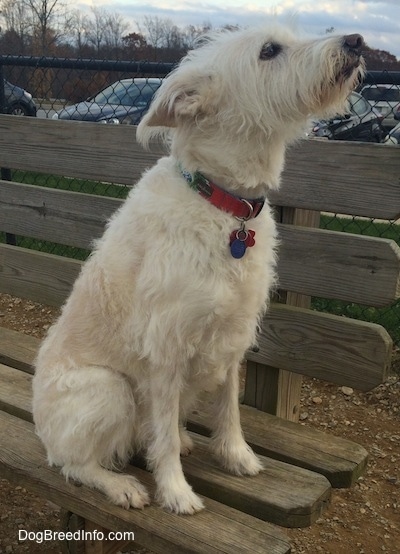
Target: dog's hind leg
x,y
228,444
86,419
163,455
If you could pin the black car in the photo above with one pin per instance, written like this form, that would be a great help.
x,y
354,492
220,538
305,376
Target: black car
x,y
125,101
18,100
361,122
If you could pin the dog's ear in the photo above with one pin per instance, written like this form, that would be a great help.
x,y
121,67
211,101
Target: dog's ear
x,y
183,95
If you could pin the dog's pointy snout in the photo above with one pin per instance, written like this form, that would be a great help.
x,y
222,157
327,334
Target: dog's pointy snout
x,y
354,43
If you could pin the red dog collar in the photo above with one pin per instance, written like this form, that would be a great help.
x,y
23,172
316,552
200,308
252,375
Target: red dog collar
x,y
242,208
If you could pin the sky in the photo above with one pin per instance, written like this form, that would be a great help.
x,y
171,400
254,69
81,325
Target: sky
x,y
377,20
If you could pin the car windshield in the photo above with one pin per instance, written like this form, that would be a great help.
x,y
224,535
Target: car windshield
x,y
125,94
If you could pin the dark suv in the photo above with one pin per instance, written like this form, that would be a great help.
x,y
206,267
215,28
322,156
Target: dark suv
x,y
18,100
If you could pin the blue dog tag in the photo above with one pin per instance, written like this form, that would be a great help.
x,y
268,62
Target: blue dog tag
x,y
238,248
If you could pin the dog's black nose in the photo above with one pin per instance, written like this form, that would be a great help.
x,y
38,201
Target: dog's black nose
x,y
354,43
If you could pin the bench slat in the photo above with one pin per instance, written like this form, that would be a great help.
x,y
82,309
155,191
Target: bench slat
x,y
314,262
218,529
75,148
266,496
111,153
39,276
299,340
355,178
60,216
333,348
344,266
339,460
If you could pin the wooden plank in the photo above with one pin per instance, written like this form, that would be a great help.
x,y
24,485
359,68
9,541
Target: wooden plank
x,y
217,529
276,381
74,148
333,348
16,392
35,275
342,177
325,346
17,349
341,461
267,495
311,261
60,216
338,265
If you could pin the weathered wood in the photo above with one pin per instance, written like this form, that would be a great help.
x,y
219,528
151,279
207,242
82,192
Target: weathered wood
x,y
60,216
338,265
74,148
217,529
36,275
339,460
267,495
333,348
352,178
16,392
324,346
311,261
66,148
17,349
281,388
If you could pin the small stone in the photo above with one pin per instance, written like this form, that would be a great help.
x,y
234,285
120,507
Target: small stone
x,y
303,416
348,391
317,400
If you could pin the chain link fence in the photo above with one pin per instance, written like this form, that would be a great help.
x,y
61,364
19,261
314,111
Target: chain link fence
x,y
119,93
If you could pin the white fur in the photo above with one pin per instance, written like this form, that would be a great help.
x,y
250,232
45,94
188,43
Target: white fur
x,y
161,310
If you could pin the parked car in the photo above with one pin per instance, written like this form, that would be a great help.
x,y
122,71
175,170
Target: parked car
x,y
393,137
385,98
125,101
18,100
361,123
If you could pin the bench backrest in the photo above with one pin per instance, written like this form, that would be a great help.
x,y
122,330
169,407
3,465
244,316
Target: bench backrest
x,y
357,179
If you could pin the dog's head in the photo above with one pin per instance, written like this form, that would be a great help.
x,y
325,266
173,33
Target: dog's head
x,y
242,92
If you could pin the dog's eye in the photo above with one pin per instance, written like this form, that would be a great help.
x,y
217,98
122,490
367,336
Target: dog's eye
x,y
270,50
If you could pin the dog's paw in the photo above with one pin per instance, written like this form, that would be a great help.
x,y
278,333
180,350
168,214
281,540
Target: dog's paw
x,y
239,460
128,493
186,443
180,501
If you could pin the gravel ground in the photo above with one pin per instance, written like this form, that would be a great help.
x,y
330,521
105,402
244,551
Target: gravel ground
x,y
361,520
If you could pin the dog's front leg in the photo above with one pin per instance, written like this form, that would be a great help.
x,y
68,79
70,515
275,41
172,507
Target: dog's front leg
x,y
228,443
173,491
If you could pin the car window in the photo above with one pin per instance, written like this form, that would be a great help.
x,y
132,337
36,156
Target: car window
x,y
126,94
359,105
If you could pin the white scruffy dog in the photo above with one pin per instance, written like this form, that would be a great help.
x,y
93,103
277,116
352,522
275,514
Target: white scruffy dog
x,y
169,300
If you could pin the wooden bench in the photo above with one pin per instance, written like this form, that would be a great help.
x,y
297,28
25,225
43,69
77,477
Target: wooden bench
x,y
302,464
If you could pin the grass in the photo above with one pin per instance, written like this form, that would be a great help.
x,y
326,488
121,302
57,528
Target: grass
x,y
389,316
73,185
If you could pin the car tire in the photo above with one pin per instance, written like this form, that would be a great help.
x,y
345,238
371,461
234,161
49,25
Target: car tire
x,y
18,109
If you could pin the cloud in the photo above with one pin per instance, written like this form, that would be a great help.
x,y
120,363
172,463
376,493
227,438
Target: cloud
x,y
377,20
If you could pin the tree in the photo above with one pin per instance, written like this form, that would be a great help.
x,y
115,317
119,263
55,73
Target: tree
x,y
17,25
48,18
